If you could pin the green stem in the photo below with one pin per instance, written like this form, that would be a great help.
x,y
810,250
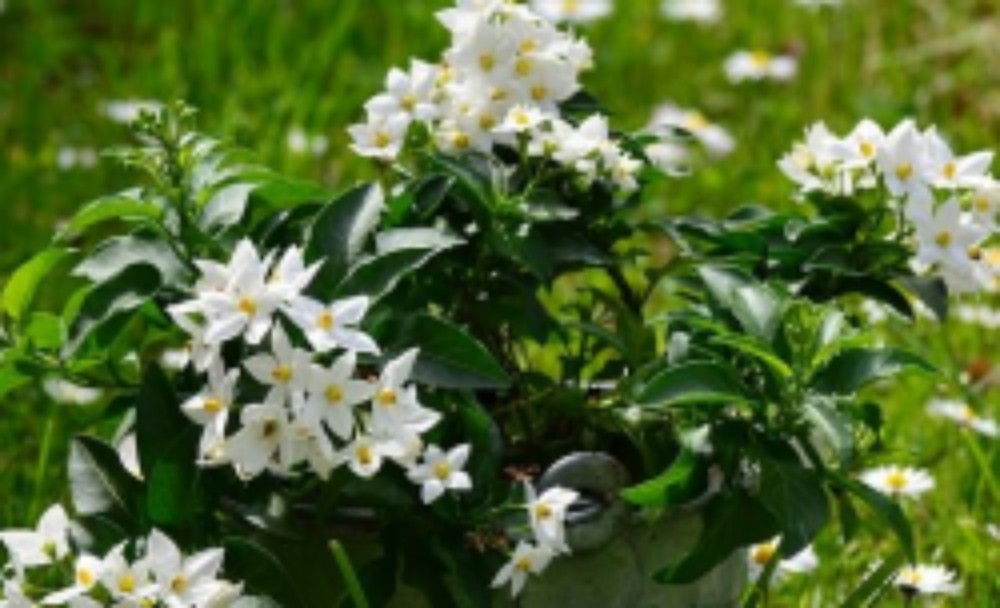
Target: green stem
x,y
350,576
42,465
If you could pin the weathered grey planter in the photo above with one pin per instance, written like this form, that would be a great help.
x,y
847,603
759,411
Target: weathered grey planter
x,y
616,553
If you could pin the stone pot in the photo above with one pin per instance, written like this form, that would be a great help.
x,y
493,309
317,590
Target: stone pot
x,y
616,552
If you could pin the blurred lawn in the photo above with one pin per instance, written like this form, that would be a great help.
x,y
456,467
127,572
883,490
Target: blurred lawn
x,y
257,69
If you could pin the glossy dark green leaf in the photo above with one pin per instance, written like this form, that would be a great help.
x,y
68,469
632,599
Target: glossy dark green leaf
x,y
99,483
159,419
118,253
851,370
684,480
378,275
449,356
20,290
226,206
690,384
342,228
832,426
932,291
796,498
249,560
106,301
126,206
731,522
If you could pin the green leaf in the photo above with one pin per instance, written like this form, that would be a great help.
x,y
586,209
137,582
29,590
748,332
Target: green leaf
x,y
341,229
19,292
480,429
248,560
107,301
875,584
227,206
159,419
378,275
851,370
684,480
756,307
932,291
98,482
692,383
756,348
449,356
832,426
730,522
795,496
125,206
118,253
401,239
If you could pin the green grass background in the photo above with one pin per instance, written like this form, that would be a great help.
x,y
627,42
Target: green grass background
x,y
255,68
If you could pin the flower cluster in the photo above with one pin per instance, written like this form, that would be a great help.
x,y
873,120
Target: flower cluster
x,y
500,83
316,410
547,514
950,201
161,576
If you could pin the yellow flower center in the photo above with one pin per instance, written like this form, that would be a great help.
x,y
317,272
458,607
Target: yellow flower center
x,y
49,549
950,170
968,414
763,554
325,320
364,454
282,374
571,7
382,139
334,394
270,429
695,121
943,238
521,118
760,59
461,140
904,171
487,121
975,253
409,102
487,62
981,204
212,405
543,511
387,397
126,583
528,45
867,149
247,306
523,564
523,66
178,584
84,578
442,470
539,92
499,94
897,480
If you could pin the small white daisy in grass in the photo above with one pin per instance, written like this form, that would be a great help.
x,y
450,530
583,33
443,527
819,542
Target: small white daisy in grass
x,y
761,555
758,65
920,579
962,413
895,480
702,11
573,11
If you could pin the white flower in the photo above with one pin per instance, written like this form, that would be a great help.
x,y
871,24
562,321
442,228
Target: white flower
x,y
903,161
898,481
264,442
704,11
669,157
127,582
985,206
290,275
333,394
520,119
548,516
333,326
198,351
381,138
246,305
311,445
759,65
87,573
572,11
395,408
299,141
410,94
947,240
812,164
963,414
285,369
210,408
527,559
46,544
441,471
184,581
922,579
717,141
366,453
860,148
945,170
762,554
13,595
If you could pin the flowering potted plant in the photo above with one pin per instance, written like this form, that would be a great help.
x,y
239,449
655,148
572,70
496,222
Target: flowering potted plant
x,y
488,369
